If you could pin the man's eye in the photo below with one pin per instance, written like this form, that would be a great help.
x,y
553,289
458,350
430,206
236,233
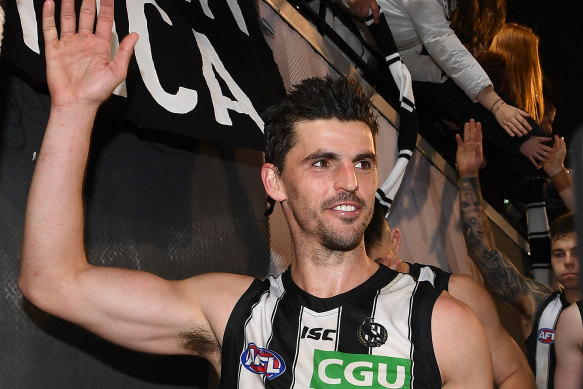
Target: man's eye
x,y
321,163
363,165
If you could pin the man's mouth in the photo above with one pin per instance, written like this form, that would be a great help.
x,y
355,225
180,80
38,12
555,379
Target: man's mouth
x,y
345,208
344,202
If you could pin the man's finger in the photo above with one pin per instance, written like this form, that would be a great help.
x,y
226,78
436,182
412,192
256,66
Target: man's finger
x,y
121,61
459,140
479,131
68,18
49,27
87,17
376,12
105,19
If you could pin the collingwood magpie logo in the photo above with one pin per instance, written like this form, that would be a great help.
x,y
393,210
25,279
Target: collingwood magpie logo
x,y
371,334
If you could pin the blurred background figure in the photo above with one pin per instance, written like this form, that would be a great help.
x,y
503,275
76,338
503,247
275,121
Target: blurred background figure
x,y
513,168
548,118
510,367
538,306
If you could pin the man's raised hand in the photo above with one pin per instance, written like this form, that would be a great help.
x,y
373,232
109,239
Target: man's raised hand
x,y
79,68
469,156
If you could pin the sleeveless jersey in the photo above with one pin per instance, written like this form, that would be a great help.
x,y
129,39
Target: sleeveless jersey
x,y
540,342
375,335
439,278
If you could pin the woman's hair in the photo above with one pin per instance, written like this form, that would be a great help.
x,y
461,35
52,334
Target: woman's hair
x,y
523,79
477,21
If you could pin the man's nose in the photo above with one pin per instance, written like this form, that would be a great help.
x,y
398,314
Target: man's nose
x,y
346,177
570,259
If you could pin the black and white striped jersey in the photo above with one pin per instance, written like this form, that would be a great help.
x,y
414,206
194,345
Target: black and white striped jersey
x,y
438,277
540,344
375,335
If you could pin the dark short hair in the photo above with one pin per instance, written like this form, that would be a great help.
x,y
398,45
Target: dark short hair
x,y
562,226
374,232
314,99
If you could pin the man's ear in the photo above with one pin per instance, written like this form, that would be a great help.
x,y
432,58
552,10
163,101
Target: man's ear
x,y
272,183
396,239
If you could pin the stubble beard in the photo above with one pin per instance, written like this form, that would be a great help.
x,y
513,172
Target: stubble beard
x,y
334,241
330,238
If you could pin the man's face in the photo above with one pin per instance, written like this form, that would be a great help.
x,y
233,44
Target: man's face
x,y
564,261
383,248
547,121
329,180
385,252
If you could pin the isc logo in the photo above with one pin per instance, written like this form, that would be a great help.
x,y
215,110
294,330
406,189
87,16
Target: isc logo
x,y
317,333
333,369
546,335
262,361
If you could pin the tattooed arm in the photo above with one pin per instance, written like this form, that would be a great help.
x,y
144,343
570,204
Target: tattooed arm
x,y
502,277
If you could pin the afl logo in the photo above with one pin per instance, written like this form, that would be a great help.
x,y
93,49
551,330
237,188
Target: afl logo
x,y
262,361
546,335
371,334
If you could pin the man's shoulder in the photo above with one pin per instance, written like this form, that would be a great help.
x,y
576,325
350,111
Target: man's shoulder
x,y
207,289
450,309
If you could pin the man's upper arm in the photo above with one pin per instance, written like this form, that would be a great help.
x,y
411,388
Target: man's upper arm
x,y
568,349
460,345
510,366
146,313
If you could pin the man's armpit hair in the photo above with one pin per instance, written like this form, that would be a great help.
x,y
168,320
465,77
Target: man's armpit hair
x,y
200,342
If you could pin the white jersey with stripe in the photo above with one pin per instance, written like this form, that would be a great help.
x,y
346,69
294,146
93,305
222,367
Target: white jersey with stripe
x,y
375,335
540,345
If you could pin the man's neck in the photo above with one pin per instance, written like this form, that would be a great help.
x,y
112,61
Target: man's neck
x,y
572,295
327,275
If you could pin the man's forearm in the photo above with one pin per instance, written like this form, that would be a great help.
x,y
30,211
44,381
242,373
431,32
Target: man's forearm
x,y
53,232
499,273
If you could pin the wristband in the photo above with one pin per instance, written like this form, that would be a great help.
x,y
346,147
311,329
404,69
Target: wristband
x,y
562,180
498,107
492,107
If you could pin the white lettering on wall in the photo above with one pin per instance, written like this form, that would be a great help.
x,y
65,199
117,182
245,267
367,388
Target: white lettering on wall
x,y
185,99
238,15
211,63
206,9
28,23
235,9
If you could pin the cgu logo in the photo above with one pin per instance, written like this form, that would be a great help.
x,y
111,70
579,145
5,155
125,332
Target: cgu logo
x,y
262,361
333,369
546,335
317,333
